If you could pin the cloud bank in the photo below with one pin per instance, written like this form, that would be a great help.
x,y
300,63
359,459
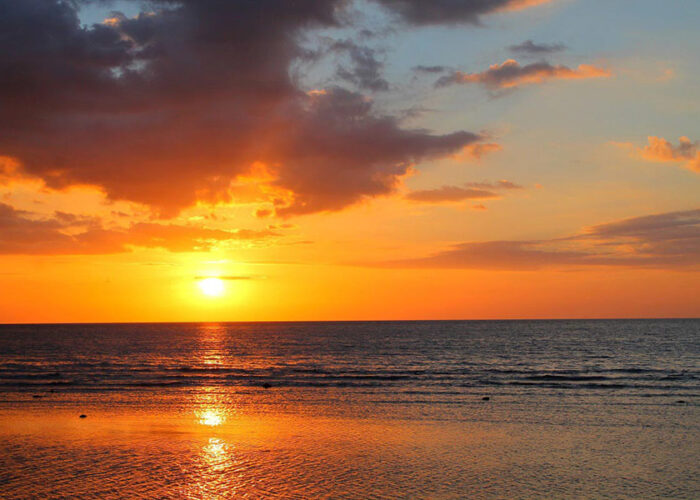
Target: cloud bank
x,y
23,233
669,240
170,107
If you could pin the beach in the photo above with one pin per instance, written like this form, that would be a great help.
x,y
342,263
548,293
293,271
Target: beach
x,y
555,409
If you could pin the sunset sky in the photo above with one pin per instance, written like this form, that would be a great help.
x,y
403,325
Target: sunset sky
x,y
340,159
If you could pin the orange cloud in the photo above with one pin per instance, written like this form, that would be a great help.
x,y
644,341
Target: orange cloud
x,y
522,4
9,169
481,149
661,150
22,233
511,74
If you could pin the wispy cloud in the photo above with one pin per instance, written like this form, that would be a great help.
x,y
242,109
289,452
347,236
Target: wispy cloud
x,y
511,74
528,47
430,69
366,69
467,191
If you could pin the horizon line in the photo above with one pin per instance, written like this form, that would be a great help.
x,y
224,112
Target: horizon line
x,y
650,318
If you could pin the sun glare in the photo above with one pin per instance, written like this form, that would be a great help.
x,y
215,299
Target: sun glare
x,y
213,287
211,418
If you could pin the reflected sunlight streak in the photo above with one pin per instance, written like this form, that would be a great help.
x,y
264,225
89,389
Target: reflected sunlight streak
x,y
216,453
211,418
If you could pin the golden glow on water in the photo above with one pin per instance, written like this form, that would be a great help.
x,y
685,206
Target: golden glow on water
x,y
211,339
217,436
307,454
214,472
213,412
216,453
215,469
211,418
215,466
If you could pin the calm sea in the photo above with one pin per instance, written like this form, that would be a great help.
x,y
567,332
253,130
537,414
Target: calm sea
x,y
448,409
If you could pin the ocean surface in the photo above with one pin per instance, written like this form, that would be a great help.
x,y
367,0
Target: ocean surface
x,y
435,409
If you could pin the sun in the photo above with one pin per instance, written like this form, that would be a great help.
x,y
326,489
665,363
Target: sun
x,y
213,287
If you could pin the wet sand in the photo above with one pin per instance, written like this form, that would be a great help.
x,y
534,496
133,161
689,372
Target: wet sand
x,y
218,447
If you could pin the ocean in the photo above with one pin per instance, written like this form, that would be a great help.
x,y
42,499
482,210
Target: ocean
x,y
419,409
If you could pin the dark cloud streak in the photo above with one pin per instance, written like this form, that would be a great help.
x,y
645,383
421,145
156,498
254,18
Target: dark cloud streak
x,y
469,191
430,69
670,240
366,70
528,47
432,12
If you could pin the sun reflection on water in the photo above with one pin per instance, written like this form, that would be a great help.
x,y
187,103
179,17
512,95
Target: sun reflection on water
x,y
213,412
212,344
216,453
214,475
211,417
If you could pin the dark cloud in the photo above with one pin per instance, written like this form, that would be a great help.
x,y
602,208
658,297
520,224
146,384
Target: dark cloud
x,y
24,233
528,47
172,106
427,12
507,255
366,71
468,191
447,194
672,226
669,240
502,184
342,133
430,69
511,74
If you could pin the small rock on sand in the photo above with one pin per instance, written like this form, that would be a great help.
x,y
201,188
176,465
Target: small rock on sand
x,y
485,398
83,416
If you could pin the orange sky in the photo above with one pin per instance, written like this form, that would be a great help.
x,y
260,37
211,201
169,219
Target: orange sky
x,y
348,160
